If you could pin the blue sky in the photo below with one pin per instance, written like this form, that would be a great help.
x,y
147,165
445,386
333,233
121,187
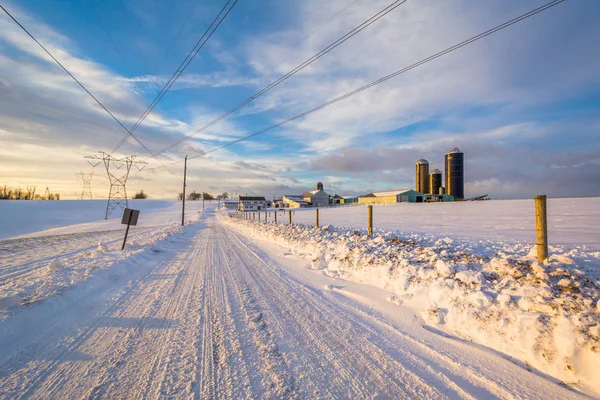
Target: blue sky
x,y
523,104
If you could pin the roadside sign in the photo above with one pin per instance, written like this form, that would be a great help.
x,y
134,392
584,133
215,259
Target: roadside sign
x,y
130,217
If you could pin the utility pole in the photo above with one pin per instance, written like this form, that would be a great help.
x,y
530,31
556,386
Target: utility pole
x,y
183,199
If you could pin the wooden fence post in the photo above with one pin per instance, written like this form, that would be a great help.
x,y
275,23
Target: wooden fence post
x,y
317,210
370,227
290,217
275,216
541,228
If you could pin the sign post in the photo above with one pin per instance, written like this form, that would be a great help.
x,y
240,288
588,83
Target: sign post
x,y
130,217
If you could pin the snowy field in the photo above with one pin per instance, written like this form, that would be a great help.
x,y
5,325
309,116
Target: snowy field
x,y
469,271
25,217
573,221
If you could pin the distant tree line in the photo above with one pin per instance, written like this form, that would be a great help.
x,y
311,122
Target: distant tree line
x,y
200,196
26,194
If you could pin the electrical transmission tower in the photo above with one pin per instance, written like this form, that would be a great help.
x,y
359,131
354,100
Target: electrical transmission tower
x,y
117,170
86,193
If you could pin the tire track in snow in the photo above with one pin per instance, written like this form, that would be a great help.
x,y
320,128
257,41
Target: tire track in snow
x,y
51,375
38,359
328,336
276,380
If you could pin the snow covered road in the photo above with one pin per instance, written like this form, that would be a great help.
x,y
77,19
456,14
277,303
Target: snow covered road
x,y
222,318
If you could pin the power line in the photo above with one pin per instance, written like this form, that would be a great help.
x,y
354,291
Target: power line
x,y
313,32
387,77
295,45
112,40
182,67
298,68
83,87
135,40
190,14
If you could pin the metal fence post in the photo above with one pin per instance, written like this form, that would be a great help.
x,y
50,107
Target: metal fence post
x,y
275,216
317,210
370,221
541,228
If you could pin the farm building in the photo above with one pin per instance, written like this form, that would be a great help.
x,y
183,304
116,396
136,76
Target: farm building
x,y
251,203
278,203
350,199
437,198
395,196
316,198
231,204
294,201
313,198
336,199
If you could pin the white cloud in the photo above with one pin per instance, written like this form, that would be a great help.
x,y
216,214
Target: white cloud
x,y
191,81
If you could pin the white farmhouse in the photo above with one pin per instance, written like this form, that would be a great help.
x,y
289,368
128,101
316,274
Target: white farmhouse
x,y
252,203
313,198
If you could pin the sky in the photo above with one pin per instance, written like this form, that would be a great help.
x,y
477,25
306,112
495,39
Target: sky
x,y
522,104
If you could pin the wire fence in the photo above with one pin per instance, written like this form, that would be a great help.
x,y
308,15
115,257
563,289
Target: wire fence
x,y
569,221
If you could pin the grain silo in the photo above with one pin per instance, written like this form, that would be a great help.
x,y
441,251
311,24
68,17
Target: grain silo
x,y
435,181
422,176
455,174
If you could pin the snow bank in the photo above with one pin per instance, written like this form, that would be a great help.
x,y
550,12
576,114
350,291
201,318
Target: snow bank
x,y
494,294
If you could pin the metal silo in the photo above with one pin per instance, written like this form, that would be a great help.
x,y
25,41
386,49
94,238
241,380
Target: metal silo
x,y
422,176
435,181
455,174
